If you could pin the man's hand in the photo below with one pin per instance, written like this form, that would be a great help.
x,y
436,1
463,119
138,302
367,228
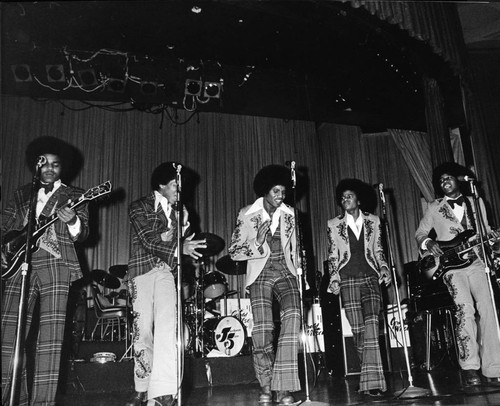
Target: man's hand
x,y
334,287
189,246
434,248
67,215
385,276
262,231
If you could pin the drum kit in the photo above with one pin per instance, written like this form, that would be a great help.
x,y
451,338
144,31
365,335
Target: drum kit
x,y
206,331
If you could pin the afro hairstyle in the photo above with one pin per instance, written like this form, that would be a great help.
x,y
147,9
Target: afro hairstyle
x,y
71,158
366,194
163,174
270,176
450,168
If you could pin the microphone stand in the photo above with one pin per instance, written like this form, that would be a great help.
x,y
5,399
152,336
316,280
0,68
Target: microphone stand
x,y
180,326
410,391
481,230
25,272
298,257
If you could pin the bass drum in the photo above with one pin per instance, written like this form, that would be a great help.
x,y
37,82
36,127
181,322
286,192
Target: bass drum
x,y
227,335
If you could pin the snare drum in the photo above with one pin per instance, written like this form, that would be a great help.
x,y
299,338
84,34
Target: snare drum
x,y
226,334
214,285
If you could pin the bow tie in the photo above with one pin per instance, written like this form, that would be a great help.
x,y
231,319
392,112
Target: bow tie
x,y
47,187
459,201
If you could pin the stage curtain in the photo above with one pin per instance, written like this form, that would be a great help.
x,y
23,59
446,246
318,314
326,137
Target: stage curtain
x,y
225,152
414,146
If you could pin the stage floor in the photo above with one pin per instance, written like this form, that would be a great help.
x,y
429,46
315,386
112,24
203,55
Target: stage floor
x,y
444,387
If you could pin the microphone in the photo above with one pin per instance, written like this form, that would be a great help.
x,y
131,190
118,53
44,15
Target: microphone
x,y
381,191
466,178
291,164
41,161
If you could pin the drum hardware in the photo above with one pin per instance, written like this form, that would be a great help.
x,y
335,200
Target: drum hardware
x,y
215,244
103,357
118,270
226,265
105,279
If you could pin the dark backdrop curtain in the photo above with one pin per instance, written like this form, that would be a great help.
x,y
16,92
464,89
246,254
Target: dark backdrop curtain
x,y
225,151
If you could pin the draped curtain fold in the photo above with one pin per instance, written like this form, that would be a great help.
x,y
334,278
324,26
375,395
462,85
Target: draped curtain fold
x,y
414,147
224,150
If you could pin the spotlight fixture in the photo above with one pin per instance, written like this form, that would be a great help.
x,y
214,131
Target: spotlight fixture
x,y
192,87
55,73
116,85
212,90
87,77
21,73
149,88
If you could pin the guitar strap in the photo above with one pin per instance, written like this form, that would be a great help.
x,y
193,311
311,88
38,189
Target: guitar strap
x,y
48,241
469,214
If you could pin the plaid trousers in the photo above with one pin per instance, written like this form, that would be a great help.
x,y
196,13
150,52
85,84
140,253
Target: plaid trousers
x,y
49,284
280,369
362,301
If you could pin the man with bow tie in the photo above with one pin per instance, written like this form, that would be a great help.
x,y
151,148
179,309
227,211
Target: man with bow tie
x,y
53,267
478,343
151,282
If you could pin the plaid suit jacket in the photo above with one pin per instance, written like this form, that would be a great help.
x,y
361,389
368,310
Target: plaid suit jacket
x,y
339,252
14,217
148,249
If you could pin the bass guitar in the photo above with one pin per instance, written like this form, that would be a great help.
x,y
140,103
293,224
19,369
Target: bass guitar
x,y
14,242
455,254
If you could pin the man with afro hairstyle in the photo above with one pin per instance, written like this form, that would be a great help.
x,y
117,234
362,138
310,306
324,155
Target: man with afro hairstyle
x,y
450,216
357,266
265,237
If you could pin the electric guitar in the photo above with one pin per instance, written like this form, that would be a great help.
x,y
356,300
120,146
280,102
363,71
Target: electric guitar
x,y
14,242
454,254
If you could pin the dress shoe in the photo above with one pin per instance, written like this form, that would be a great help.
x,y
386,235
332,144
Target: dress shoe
x,y
165,400
137,399
265,395
374,393
471,377
285,398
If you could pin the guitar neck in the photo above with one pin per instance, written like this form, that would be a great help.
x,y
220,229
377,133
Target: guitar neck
x,y
53,218
462,248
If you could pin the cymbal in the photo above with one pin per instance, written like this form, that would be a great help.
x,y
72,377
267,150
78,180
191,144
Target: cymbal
x,y
226,265
118,270
215,244
105,279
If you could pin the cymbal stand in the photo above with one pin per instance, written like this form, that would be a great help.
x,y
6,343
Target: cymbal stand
x,y
25,272
481,230
298,262
410,391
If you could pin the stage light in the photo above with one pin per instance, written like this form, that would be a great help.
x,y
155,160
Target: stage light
x,y
87,77
21,73
212,89
149,88
192,87
116,85
55,73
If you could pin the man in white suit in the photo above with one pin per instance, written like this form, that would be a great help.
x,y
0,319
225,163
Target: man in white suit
x,y
265,237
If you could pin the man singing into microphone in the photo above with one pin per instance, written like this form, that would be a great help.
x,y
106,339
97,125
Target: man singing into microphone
x,y
265,237
53,267
449,216
357,266
151,282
